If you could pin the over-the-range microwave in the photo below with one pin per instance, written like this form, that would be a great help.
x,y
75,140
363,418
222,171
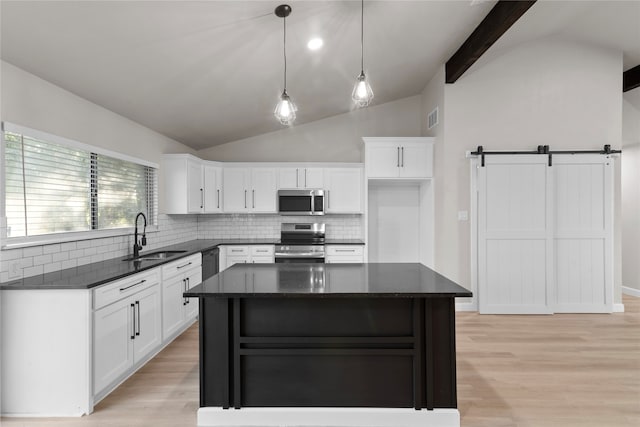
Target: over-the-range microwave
x,y
301,202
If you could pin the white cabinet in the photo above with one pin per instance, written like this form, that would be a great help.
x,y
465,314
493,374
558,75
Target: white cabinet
x,y
177,278
340,254
191,185
249,190
128,330
254,254
300,177
343,190
410,158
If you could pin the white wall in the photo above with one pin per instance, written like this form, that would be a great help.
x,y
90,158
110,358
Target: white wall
x,y
334,139
631,190
549,91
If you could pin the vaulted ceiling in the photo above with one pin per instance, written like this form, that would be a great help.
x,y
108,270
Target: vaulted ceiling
x,y
208,72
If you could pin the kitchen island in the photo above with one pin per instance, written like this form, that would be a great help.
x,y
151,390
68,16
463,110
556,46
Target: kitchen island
x,y
327,344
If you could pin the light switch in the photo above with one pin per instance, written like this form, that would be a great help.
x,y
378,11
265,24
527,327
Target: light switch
x,y
463,216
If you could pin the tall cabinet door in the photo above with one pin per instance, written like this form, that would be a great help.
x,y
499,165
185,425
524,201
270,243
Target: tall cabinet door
x,y
195,188
235,188
515,249
148,322
583,187
113,348
263,190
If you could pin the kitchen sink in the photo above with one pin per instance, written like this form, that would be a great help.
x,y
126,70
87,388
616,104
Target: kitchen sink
x,y
155,256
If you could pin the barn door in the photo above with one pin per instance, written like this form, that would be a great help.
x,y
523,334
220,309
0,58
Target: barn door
x,y
583,187
515,253
545,234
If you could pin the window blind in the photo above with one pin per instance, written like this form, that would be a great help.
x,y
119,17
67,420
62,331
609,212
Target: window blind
x,y
53,188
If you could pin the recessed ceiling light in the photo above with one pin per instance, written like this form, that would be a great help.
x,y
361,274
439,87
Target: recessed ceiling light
x,y
315,44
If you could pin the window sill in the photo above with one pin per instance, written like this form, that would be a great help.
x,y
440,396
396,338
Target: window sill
x,y
51,239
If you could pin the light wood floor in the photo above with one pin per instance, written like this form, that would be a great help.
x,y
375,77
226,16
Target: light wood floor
x,y
562,370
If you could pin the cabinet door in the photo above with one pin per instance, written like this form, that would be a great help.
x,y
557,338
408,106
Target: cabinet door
x,y
288,178
195,189
194,278
313,177
148,322
383,160
415,160
212,189
234,189
172,305
344,190
263,190
113,343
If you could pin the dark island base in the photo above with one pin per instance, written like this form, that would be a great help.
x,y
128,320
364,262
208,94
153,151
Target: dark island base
x,y
327,352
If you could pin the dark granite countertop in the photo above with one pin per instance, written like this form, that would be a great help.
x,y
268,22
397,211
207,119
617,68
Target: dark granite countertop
x,y
328,280
91,275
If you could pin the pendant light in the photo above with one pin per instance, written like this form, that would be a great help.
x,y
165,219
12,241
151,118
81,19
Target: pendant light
x,y
285,110
362,93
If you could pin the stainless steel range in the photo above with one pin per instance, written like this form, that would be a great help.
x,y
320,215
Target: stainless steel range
x,y
301,243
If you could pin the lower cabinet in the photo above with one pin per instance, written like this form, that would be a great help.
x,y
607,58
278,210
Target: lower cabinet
x,y
178,277
125,332
336,254
254,254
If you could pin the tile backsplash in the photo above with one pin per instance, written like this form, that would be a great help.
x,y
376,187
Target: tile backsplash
x,y
172,229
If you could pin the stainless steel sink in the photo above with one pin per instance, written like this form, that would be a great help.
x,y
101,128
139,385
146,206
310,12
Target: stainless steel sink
x,y
155,256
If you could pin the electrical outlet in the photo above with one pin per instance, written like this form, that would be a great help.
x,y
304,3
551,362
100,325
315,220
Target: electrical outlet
x,y
463,216
14,269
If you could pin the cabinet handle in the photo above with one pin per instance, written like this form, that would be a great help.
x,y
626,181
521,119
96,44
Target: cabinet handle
x,y
402,156
201,198
131,286
261,250
187,290
138,307
183,266
133,317
305,177
345,250
184,286
253,198
398,158
296,178
245,199
218,198
328,200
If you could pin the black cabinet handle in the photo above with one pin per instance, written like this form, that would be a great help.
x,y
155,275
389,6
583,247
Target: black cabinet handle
x,y
201,198
184,286
131,286
187,290
138,307
133,317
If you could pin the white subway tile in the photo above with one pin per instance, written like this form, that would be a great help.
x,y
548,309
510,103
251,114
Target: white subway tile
x,y
42,259
33,271
68,246
60,256
54,266
49,249
32,251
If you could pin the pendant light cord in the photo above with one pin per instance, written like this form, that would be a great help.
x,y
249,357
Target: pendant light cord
x,y
362,36
285,53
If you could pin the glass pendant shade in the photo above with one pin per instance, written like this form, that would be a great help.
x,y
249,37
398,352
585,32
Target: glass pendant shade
x,y
285,110
362,93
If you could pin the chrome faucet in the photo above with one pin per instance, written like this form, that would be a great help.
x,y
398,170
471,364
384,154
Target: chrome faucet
x,y
143,242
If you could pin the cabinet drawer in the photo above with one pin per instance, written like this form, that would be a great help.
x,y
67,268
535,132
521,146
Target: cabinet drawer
x,y
237,250
111,292
266,250
181,265
344,250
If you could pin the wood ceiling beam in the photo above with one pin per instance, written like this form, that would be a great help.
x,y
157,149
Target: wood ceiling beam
x,y
631,79
503,15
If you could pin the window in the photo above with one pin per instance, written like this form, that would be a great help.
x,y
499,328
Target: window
x,y
56,186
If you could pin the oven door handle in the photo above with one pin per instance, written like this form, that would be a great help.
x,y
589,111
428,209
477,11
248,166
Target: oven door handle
x,y
299,255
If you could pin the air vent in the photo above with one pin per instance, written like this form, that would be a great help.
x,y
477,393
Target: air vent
x,y
433,118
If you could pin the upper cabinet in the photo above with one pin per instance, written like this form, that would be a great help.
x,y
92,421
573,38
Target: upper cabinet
x,y
301,177
249,190
343,190
191,185
410,158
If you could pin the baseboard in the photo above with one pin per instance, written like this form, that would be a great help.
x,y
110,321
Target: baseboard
x,y
631,291
618,308
466,306
327,417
